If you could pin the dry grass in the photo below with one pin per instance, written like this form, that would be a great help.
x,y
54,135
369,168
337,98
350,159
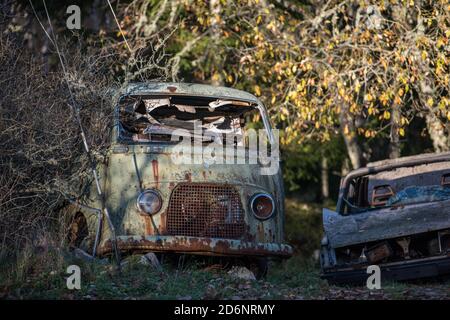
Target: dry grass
x,y
41,157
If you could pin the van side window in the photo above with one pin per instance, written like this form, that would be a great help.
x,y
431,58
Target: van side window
x,y
381,194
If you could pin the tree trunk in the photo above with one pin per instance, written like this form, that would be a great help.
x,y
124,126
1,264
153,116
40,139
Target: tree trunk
x,y
345,168
348,132
216,8
394,146
436,130
325,180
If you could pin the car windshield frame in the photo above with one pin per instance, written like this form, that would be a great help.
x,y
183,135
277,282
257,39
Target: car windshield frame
x,y
373,169
118,128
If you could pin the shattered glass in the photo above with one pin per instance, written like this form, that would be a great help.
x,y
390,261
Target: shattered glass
x,y
156,119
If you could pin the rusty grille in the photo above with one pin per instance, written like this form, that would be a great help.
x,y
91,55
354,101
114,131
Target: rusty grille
x,y
205,210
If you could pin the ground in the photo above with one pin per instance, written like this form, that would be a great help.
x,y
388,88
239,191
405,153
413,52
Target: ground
x,y
44,276
293,279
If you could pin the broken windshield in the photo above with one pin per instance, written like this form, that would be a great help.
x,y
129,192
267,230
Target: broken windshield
x,y
147,119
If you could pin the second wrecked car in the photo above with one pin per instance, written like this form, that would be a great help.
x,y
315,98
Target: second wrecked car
x,y
394,214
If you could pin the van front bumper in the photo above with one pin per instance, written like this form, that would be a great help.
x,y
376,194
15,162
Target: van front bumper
x,y
196,245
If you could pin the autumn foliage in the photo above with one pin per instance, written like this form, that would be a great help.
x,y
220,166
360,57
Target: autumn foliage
x,y
358,69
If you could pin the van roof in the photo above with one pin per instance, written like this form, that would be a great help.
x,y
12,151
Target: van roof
x,y
191,89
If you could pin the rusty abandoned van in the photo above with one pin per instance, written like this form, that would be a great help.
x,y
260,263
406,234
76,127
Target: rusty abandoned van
x,y
151,203
394,214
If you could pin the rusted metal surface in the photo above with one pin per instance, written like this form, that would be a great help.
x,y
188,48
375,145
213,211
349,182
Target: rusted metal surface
x,y
398,271
122,187
134,167
386,214
378,252
198,245
391,221
385,223
205,210
386,166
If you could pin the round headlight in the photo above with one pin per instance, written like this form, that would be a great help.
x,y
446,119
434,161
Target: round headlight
x,y
262,206
149,201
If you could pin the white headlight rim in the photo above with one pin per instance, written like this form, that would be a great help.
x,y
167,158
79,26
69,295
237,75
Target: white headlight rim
x,y
140,198
258,195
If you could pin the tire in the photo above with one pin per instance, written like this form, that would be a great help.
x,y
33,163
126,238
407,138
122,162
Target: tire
x,y
259,267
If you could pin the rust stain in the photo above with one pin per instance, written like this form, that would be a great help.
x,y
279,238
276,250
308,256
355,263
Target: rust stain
x,y
172,89
155,172
260,232
162,225
148,225
271,235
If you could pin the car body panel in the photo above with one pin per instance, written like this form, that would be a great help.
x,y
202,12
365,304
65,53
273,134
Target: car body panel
x,y
385,223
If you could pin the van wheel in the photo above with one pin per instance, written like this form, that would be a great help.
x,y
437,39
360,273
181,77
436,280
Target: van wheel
x,y
259,267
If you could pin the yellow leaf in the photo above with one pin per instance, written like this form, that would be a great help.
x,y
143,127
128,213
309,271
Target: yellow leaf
x,y
387,115
273,99
401,131
430,102
448,115
293,94
294,69
346,130
424,55
257,90
215,76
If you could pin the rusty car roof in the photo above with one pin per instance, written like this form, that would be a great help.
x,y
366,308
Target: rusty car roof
x,y
193,89
402,160
389,164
